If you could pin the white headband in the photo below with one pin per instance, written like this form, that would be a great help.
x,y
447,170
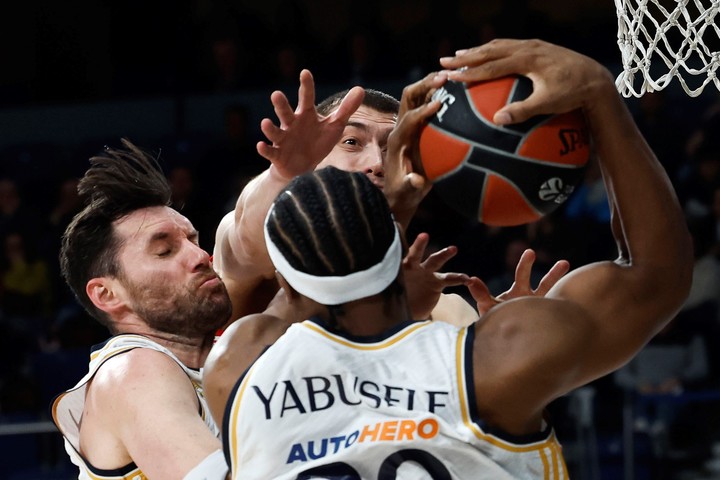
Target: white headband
x,y
336,290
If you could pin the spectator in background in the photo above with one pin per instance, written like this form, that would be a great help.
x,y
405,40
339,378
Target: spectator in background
x,y
362,61
26,288
15,216
683,357
66,204
698,189
288,60
551,239
226,63
699,180
69,326
673,362
357,59
514,249
588,211
182,187
589,201
706,274
25,297
701,311
199,209
662,125
233,153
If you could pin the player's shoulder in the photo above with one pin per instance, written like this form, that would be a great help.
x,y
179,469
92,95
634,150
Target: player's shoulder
x,y
139,369
244,339
526,313
227,222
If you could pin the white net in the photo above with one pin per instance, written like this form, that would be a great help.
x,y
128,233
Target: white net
x,y
665,39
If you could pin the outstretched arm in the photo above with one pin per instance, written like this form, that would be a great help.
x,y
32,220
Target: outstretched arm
x,y
300,141
598,316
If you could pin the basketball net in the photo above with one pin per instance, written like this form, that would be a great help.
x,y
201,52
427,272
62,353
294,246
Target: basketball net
x,y
664,39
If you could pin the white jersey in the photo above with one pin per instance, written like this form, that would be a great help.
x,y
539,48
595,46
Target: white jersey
x,y
318,404
68,407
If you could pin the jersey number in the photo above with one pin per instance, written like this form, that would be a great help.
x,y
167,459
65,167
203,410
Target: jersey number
x,y
388,468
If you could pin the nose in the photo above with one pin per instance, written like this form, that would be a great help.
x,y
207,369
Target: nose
x,y
200,259
375,169
374,163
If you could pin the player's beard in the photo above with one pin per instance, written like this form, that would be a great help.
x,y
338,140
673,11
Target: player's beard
x,y
186,311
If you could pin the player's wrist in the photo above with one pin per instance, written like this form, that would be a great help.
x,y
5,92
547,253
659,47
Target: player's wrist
x,y
279,175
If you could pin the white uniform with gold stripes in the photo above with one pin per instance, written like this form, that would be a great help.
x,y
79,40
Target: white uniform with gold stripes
x,y
68,407
318,404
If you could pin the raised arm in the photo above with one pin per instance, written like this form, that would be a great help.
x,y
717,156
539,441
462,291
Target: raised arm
x,y
598,316
300,141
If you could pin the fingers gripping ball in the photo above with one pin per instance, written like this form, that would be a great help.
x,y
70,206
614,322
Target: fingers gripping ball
x,y
501,175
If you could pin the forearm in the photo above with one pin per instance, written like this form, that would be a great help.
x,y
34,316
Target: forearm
x,y
454,309
248,243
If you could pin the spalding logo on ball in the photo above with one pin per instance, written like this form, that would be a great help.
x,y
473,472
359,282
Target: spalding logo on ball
x,y
501,175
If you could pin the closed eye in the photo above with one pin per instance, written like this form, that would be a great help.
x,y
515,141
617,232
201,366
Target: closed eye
x,y
194,237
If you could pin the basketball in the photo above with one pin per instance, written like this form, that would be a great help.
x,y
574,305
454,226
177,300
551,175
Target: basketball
x,y
501,175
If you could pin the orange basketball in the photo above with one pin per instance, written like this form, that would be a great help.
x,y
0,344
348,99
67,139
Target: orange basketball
x,y
501,175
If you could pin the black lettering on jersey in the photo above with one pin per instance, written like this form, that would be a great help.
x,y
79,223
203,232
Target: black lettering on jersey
x,y
365,393
293,396
432,401
317,393
265,400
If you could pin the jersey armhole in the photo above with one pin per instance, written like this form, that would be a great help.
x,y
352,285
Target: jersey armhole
x,y
540,436
228,408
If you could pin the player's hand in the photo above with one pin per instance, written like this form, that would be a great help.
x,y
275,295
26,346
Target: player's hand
x,y
304,138
563,80
521,286
405,187
423,281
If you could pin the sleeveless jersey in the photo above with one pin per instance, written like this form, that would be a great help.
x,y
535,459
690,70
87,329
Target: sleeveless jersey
x,y
317,403
67,409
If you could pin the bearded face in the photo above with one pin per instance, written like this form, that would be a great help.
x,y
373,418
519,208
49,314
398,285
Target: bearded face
x,y
168,280
188,310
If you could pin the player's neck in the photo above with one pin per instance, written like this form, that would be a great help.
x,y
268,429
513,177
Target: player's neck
x,y
192,352
372,316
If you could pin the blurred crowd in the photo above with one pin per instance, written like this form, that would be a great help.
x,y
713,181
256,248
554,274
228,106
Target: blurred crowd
x,y
209,46
90,50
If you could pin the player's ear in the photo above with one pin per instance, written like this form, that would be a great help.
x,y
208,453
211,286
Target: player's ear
x,y
104,294
290,292
293,306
